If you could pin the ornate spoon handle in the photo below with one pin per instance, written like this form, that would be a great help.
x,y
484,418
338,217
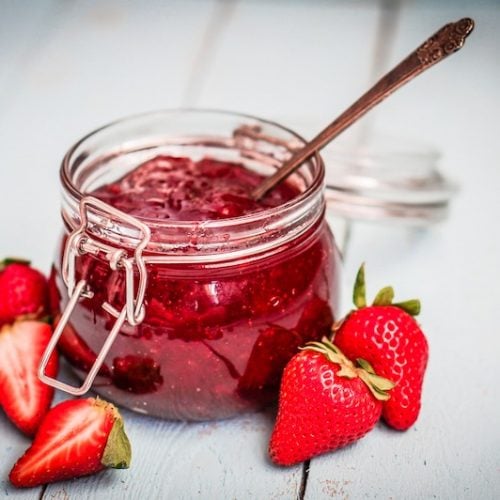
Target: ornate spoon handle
x,y
447,40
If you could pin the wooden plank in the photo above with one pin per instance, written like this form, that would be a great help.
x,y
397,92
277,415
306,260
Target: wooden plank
x,y
299,63
452,452
23,26
191,460
12,445
291,62
96,61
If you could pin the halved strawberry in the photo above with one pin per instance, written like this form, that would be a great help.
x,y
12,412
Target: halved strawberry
x,y
25,399
77,437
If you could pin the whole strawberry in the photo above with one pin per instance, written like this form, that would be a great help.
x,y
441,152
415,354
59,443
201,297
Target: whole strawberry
x,y
325,402
23,291
388,336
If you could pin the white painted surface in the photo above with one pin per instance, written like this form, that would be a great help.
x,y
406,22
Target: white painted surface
x,y
67,67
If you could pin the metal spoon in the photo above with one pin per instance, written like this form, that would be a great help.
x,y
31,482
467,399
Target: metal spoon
x,y
446,41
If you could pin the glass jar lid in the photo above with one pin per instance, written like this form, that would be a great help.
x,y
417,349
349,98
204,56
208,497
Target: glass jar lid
x,y
387,179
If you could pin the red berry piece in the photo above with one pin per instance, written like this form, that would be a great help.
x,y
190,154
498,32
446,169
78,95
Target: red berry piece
x,y
24,398
272,350
23,291
137,374
326,402
76,438
316,319
388,336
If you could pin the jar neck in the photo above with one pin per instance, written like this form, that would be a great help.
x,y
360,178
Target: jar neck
x,y
121,146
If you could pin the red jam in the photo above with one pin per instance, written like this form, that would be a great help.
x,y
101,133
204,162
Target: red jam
x,y
215,339
182,189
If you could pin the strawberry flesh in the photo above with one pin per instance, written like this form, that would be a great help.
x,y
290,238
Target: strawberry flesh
x,y
24,398
76,438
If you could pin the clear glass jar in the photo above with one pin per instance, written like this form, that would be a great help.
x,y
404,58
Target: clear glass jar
x,y
203,314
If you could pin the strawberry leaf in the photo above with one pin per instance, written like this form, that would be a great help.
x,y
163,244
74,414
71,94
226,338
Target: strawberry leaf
x,y
362,363
359,293
384,297
380,383
412,306
13,260
374,386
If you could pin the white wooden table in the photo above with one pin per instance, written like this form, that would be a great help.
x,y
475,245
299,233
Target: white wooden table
x,y
67,67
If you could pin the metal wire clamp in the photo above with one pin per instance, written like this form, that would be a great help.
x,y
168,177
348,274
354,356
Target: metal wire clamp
x,y
79,243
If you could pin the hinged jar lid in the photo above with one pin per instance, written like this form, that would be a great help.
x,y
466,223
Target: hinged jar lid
x,y
387,179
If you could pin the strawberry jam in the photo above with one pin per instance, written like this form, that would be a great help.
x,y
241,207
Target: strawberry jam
x,y
244,286
181,189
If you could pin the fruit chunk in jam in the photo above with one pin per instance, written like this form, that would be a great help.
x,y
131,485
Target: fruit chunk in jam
x,y
182,189
215,339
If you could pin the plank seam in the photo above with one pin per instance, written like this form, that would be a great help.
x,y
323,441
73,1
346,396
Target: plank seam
x,y
42,492
217,24
387,25
305,476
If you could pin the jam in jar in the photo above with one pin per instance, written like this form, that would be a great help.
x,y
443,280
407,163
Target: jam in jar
x,y
202,292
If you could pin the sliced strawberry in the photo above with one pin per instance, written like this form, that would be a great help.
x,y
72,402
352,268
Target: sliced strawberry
x,y
23,291
77,437
25,399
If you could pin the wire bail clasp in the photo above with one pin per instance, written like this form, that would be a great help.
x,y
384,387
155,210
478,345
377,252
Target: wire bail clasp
x,y
79,243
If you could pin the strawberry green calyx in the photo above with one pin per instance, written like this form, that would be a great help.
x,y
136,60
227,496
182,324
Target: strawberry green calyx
x,y
13,260
412,306
359,293
117,452
378,386
384,297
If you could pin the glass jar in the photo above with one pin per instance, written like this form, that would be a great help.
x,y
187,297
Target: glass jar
x,y
191,320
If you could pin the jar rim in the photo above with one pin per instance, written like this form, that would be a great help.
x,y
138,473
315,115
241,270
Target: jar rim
x,y
74,191
310,199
